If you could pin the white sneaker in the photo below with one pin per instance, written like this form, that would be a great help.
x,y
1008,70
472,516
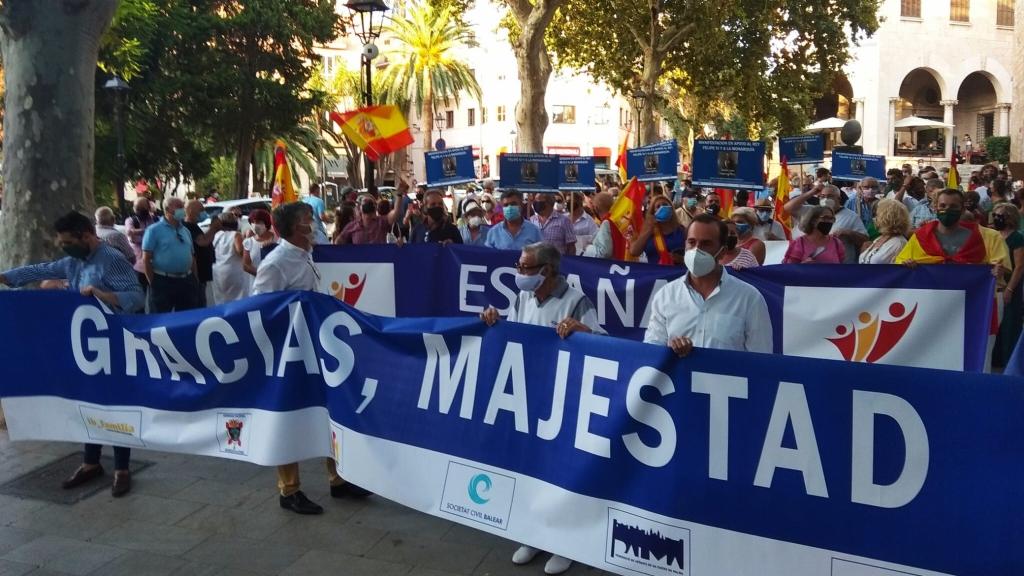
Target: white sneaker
x,y
525,554
557,564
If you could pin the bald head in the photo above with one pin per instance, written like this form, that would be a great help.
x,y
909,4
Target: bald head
x,y
104,216
602,202
193,208
141,205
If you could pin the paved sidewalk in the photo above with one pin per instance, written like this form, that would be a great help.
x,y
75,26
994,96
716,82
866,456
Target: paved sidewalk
x,y
198,516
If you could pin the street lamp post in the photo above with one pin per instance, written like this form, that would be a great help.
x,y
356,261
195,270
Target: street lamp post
x,y
638,99
119,87
440,121
371,23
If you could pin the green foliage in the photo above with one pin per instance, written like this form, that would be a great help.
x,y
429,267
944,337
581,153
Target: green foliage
x,y
221,178
766,60
998,149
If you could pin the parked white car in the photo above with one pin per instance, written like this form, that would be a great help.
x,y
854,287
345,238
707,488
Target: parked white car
x,y
214,210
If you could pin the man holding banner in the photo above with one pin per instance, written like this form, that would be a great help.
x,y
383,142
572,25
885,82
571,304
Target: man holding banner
x,y
707,307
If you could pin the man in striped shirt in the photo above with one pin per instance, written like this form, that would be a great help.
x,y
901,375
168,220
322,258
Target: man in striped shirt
x,y
93,268
555,227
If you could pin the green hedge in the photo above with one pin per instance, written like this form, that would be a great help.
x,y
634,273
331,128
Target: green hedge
x,y
998,149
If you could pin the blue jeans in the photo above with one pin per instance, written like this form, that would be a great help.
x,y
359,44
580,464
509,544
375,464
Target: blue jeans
x,y
121,456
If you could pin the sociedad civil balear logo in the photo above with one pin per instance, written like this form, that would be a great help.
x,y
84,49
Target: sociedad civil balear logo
x,y
350,291
869,337
479,485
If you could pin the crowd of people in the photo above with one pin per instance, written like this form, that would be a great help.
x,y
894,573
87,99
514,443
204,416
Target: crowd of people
x,y
165,261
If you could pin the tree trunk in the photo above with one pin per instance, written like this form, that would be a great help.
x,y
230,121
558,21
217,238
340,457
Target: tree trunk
x,y
49,122
534,67
427,117
649,86
243,158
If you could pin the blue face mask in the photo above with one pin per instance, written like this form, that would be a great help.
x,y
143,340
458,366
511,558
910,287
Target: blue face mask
x,y
510,212
663,213
742,228
691,203
203,216
179,214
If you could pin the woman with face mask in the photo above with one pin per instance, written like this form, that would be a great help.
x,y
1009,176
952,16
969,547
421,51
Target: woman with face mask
x,y
816,246
230,281
1006,220
745,221
260,241
661,235
733,255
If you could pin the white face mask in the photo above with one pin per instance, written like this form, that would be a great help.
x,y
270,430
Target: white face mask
x,y
475,221
699,263
829,203
259,229
488,206
559,207
529,283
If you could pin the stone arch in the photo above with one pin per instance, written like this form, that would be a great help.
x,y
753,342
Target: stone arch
x,y
837,102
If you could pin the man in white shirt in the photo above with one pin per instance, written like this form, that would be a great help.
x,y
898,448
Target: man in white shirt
x,y
290,267
708,308
546,299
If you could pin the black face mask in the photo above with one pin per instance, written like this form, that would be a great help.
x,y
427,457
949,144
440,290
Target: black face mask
x,y
713,209
730,242
368,208
436,213
824,227
999,221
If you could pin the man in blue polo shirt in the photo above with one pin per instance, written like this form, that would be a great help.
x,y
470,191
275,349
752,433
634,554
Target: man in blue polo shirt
x,y
169,262
515,232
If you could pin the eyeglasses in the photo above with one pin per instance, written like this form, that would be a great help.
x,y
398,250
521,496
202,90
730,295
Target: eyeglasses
x,y
523,269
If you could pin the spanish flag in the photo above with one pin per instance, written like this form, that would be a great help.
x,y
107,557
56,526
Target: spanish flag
x,y
953,181
924,247
627,218
376,130
621,160
284,191
781,197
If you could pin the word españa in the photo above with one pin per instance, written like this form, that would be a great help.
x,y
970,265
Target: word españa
x,y
790,411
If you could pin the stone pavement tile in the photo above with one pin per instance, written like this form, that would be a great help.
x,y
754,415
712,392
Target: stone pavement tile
x,y
256,556
8,568
156,482
66,521
459,534
421,571
323,563
386,515
64,555
140,507
18,464
13,507
221,494
11,538
154,538
320,532
210,468
140,564
206,569
428,553
255,524
499,563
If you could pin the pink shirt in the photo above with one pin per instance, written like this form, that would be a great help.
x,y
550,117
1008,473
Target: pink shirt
x,y
801,249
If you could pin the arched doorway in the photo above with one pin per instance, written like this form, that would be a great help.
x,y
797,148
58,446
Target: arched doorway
x,y
976,116
921,96
836,103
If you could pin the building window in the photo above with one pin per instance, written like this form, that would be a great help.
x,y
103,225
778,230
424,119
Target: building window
x,y
985,127
449,117
910,8
1004,13
625,118
563,114
960,10
471,117
500,113
483,115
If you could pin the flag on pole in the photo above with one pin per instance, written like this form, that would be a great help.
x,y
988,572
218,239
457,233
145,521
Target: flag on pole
x,y
627,217
376,130
953,181
284,190
621,160
781,197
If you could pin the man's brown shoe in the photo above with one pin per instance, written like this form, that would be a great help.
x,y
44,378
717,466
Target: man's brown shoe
x,y
81,476
122,483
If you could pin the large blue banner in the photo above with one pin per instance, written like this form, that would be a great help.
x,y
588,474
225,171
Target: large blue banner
x,y
576,173
611,452
930,316
857,166
809,149
450,167
737,164
530,172
653,162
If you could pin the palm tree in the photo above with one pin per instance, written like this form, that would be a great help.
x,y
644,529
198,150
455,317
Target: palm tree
x,y
423,64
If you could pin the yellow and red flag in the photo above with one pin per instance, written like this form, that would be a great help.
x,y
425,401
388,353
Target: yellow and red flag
x,y
953,180
376,130
781,197
284,191
621,160
627,217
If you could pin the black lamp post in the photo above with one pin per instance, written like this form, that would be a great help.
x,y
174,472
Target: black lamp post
x,y
119,87
638,99
370,14
440,121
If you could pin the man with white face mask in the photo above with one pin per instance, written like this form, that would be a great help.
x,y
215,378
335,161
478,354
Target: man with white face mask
x,y
708,308
546,299
848,227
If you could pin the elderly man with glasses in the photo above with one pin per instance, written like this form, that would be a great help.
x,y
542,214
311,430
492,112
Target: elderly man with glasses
x,y
546,299
863,202
169,260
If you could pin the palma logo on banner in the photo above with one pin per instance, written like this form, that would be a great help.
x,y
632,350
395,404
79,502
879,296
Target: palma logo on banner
x,y
367,287
877,327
